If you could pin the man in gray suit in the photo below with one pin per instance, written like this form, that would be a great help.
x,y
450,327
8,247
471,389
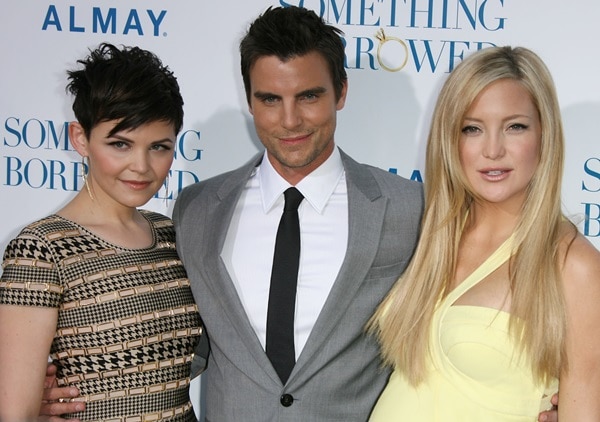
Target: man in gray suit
x,y
359,225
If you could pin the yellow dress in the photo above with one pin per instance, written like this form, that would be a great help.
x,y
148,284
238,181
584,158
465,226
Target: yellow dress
x,y
474,372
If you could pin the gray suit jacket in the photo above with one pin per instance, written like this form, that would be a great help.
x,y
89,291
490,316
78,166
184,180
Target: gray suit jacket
x,y
338,375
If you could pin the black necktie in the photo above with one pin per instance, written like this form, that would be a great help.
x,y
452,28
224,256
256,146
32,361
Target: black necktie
x,y
282,293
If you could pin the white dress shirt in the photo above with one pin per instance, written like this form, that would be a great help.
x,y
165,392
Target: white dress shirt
x,y
250,242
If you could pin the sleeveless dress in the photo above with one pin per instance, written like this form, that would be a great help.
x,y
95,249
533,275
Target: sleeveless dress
x,y
474,372
127,320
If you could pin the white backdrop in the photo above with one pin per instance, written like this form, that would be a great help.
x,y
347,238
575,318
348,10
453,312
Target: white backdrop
x,y
393,81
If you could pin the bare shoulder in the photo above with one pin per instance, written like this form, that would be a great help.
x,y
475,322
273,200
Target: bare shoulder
x,y
580,267
581,261
580,377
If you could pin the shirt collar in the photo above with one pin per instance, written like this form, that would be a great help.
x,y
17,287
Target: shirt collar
x,y
317,187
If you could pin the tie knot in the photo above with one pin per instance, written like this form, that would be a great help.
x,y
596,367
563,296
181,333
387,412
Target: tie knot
x,y
293,197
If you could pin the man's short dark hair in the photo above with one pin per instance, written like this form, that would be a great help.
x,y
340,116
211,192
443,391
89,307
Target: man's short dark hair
x,y
128,84
292,32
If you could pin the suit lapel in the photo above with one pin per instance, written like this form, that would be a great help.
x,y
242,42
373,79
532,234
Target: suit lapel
x,y
366,211
218,278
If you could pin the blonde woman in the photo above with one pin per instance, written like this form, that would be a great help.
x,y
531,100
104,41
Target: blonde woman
x,y
501,299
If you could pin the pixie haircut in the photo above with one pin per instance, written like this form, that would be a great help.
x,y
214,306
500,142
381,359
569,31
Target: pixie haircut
x,y
128,84
292,32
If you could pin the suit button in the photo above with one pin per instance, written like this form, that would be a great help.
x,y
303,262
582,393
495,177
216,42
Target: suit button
x,y
286,400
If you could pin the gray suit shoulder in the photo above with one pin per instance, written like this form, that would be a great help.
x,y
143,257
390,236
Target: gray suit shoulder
x,y
223,183
406,196
395,181
389,184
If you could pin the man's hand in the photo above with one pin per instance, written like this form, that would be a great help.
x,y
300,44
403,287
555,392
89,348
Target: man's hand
x,y
55,400
550,415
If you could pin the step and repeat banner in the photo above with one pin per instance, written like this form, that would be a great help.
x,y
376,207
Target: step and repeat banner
x,y
398,53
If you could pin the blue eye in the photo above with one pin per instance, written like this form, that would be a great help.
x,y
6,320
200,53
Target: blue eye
x,y
469,129
269,99
518,126
119,144
161,147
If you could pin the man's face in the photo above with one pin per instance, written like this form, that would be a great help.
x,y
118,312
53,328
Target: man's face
x,y
294,108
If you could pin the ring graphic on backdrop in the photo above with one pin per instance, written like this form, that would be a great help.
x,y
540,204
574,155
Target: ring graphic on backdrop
x,y
383,39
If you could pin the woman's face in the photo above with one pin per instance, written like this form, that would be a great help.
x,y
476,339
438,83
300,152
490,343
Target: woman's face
x,y
500,143
130,166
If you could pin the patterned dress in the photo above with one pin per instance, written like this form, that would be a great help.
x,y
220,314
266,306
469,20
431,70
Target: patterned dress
x,y
127,321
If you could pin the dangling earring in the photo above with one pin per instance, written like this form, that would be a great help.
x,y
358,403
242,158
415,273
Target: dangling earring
x,y
166,183
84,175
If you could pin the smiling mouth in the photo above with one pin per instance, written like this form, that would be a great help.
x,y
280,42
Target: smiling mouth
x,y
293,139
136,185
495,172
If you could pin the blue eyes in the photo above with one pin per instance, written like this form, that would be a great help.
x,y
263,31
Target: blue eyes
x,y
308,96
122,145
515,127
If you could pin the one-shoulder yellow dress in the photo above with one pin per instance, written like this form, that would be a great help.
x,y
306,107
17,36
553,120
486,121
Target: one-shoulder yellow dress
x,y
474,373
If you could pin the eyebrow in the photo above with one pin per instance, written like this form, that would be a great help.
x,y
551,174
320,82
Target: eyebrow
x,y
513,116
157,141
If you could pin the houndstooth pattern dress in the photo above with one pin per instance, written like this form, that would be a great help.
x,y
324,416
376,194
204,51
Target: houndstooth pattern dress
x,y
127,321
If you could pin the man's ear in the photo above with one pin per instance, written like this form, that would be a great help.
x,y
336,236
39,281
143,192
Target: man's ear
x,y
342,100
78,138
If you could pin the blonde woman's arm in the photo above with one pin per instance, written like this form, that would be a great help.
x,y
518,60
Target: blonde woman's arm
x,y
53,400
25,338
580,383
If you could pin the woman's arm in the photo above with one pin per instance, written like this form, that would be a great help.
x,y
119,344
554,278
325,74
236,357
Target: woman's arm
x,y
25,338
550,415
580,382
53,400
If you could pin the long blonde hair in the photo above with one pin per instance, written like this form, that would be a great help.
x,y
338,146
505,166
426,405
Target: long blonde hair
x,y
402,321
